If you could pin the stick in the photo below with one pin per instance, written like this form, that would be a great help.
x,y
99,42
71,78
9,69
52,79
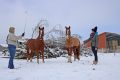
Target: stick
x,y
25,21
24,28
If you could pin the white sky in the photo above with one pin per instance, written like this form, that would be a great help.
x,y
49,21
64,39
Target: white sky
x,y
81,15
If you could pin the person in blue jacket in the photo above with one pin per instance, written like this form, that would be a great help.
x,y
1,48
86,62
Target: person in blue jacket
x,y
94,44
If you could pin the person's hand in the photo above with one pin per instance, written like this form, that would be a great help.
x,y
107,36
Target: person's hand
x,y
23,34
96,48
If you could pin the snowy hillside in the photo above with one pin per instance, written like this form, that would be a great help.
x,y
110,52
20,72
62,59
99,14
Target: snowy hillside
x,y
58,69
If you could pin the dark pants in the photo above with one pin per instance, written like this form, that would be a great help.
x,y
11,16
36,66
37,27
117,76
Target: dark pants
x,y
12,51
95,53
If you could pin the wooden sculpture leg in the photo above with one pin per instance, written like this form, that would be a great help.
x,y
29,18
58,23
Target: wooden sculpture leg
x,y
37,53
78,54
31,55
27,55
69,55
75,54
42,52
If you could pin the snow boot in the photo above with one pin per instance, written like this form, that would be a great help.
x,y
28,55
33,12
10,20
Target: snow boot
x,y
95,62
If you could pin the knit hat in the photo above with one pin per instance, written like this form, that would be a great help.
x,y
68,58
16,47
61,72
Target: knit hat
x,y
94,29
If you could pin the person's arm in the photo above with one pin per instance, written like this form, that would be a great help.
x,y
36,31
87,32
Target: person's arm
x,y
96,39
14,37
90,36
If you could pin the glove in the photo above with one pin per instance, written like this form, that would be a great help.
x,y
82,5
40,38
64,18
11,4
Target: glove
x,y
23,34
96,48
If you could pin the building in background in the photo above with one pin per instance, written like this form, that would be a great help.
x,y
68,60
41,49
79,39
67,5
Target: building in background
x,y
108,42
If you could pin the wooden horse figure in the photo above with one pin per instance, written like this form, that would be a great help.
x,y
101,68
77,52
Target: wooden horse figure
x,y
36,46
72,45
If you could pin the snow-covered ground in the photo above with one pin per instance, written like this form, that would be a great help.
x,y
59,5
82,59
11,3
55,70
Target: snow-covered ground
x,y
108,68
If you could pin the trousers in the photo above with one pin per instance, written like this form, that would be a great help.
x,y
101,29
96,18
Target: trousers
x,y
95,53
12,51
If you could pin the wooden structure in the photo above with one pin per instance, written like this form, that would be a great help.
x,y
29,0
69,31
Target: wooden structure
x,y
36,46
72,45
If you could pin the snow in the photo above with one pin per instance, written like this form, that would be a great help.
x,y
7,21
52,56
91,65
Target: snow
x,y
22,40
108,68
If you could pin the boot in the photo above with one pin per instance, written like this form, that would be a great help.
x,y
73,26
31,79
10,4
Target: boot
x,y
95,62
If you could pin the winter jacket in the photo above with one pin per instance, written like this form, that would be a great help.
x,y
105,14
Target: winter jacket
x,y
94,40
12,39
